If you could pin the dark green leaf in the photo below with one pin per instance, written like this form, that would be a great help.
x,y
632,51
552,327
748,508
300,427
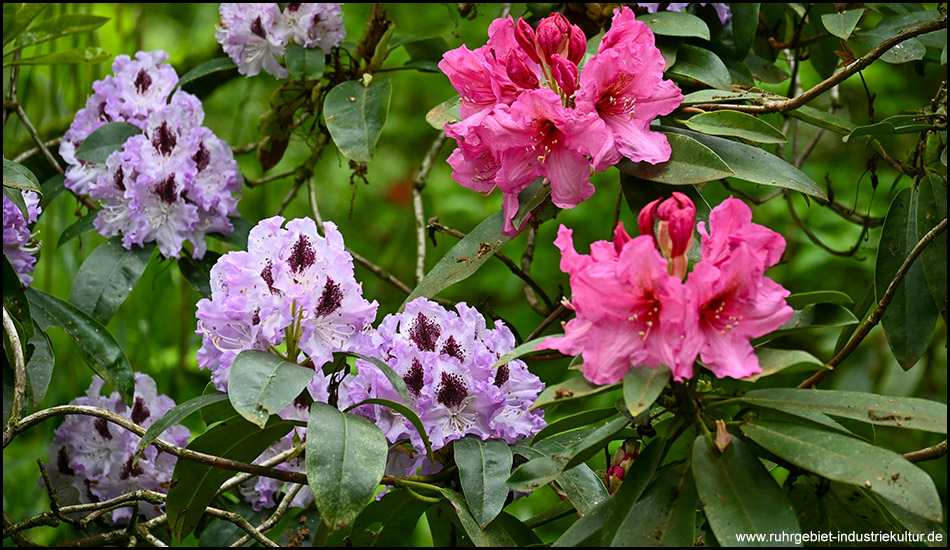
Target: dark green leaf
x,y
198,272
738,494
82,225
842,458
665,515
765,71
572,388
812,317
519,532
734,123
261,384
619,515
733,40
842,24
721,96
911,316
901,412
107,276
772,361
802,299
59,26
304,63
492,535
909,50
526,348
755,165
583,488
673,23
39,368
483,467
444,113
52,188
570,422
20,177
426,49
384,522
105,140
176,415
355,115
96,345
17,16
641,387
395,380
911,522
585,532
478,246
194,484
346,459
217,411
404,410
690,162
931,210
15,300
702,66
823,119
899,124
78,56
238,237
212,66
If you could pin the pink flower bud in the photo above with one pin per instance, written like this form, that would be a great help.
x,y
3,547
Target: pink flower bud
x,y
621,237
520,74
524,34
577,46
565,74
553,36
647,219
620,463
674,218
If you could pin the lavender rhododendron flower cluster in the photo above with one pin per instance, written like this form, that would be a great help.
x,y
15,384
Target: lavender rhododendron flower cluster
x,y
634,309
722,10
255,35
18,244
97,458
175,182
528,109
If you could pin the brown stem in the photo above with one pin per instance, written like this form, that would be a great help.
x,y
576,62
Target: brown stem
x,y
930,453
418,184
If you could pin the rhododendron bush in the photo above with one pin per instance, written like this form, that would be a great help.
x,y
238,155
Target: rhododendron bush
x,y
259,286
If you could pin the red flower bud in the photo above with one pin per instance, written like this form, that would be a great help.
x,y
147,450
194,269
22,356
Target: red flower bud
x,y
553,36
565,74
577,46
520,74
524,34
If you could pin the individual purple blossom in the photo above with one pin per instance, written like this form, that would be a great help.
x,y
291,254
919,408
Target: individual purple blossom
x,y
19,246
722,10
97,458
316,24
254,35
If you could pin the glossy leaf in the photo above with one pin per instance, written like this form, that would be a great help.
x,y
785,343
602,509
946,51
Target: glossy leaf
x,y
105,140
931,210
908,50
733,40
107,276
701,65
673,23
902,412
899,124
198,272
175,415
690,162
493,535
52,188
723,96
800,300
355,115
384,522
483,467
585,532
812,317
765,71
405,411
524,349
238,237
584,489
80,226
17,17
842,458
59,26
519,532
78,56
346,459
218,410
641,387
738,494
842,24
261,384
211,66
304,63
773,361
570,422
444,113
20,177
96,345
39,367
570,389
736,124
665,515
194,485
15,300
755,165
911,316
391,375
477,247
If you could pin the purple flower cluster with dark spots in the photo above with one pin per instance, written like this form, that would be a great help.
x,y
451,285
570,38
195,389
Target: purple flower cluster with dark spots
x,y
18,244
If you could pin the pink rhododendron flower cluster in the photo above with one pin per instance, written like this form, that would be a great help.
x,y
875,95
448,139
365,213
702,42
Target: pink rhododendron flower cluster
x,y
255,35
175,182
94,460
18,244
634,308
528,109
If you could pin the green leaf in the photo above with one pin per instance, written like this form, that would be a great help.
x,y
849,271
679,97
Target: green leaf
x,y
902,412
355,115
493,535
105,140
238,237
304,63
82,225
261,384
733,40
584,488
17,16
519,532
477,247
194,485
524,349
444,113
20,177
217,411
426,49
175,415
483,467
384,522
96,345
198,272
911,316
59,26
570,422
812,317
395,380
39,368
585,531
346,459
802,299
573,388
823,119
842,458
899,124
738,494
734,123
404,410
107,276
721,96
15,300
702,66
665,515
673,23
764,70
931,210
52,188
641,387
773,361
755,165
539,471
78,56
842,24
905,52
212,66
690,162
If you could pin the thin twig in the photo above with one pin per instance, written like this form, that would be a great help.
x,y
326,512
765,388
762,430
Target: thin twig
x,y
19,372
298,183
878,312
238,519
814,238
279,458
247,148
526,257
561,310
22,157
37,139
267,179
380,272
418,184
930,453
279,513
314,209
